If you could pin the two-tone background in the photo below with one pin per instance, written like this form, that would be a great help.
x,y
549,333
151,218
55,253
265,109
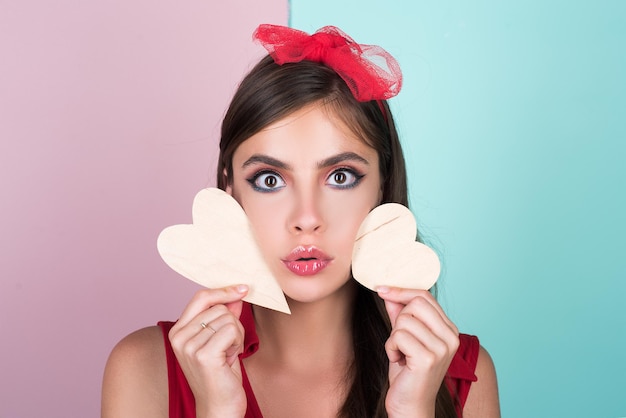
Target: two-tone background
x,y
513,119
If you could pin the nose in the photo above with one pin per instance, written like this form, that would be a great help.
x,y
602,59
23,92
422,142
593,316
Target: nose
x,y
306,216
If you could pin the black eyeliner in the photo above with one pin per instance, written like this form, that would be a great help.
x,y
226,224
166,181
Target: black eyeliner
x,y
357,177
252,181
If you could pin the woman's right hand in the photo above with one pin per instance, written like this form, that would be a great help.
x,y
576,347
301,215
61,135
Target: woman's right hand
x,y
207,340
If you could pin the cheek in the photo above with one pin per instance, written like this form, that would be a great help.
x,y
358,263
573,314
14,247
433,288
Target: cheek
x,y
346,216
266,221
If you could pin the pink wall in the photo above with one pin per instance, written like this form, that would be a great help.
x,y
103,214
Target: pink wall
x,y
109,117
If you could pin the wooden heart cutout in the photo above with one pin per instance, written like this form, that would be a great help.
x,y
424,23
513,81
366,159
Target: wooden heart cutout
x,y
219,250
385,252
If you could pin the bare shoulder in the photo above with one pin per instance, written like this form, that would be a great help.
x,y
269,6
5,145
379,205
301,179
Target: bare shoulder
x,y
482,400
135,377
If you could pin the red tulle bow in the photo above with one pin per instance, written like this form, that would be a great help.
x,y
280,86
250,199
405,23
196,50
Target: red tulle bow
x,y
370,72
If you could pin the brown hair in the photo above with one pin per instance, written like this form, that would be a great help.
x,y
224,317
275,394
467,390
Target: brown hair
x,y
271,92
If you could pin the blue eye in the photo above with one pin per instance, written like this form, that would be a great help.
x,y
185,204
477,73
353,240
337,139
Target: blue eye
x,y
266,181
344,178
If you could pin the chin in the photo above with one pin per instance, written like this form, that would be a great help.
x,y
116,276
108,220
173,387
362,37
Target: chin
x,y
311,291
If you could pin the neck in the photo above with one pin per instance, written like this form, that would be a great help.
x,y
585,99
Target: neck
x,y
320,331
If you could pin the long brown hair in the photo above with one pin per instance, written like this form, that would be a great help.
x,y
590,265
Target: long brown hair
x,y
271,92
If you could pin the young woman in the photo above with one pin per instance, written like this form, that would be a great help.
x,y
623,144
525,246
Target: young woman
x,y
308,149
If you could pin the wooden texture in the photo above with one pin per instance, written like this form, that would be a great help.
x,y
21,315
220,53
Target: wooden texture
x,y
386,254
219,250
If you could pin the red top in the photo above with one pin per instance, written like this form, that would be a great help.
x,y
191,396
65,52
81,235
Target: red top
x,y
182,403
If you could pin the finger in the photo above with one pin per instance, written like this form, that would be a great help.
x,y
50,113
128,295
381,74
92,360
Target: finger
x,y
215,319
230,338
405,296
220,332
235,308
413,353
401,346
222,346
393,310
183,332
206,298
443,343
401,295
191,345
418,349
397,298
206,322
434,318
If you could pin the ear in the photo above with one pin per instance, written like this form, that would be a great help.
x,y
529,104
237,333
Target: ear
x,y
229,187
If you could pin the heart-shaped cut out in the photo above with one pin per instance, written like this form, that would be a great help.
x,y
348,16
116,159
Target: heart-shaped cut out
x,y
219,250
385,252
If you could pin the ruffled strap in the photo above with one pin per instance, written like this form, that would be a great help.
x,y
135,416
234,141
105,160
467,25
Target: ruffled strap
x,y
461,372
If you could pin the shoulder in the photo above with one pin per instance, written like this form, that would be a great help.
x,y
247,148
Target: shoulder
x,y
135,377
482,400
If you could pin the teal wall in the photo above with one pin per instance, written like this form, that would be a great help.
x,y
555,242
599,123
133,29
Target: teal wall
x,y
513,118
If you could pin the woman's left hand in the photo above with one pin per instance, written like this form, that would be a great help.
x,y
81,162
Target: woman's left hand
x,y
421,346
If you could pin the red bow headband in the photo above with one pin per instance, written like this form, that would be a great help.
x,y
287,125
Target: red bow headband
x,y
370,72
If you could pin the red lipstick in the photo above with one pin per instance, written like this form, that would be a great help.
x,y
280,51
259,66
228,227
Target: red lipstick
x,y
306,261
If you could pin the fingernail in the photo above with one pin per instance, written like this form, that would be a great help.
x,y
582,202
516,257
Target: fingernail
x,y
382,289
242,288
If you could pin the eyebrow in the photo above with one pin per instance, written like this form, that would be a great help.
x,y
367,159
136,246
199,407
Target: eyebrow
x,y
265,159
328,162
340,158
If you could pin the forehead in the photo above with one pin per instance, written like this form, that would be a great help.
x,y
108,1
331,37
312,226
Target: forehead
x,y
310,133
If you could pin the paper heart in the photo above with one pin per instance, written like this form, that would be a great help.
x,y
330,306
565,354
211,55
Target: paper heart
x,y
219,250
385,252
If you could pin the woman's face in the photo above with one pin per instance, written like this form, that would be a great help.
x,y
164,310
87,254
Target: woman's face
x,y
306,183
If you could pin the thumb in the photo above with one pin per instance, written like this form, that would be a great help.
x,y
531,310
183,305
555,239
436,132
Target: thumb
x,y
236,307
393,310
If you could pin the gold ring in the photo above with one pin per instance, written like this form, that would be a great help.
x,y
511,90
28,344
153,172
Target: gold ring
x,y
205,326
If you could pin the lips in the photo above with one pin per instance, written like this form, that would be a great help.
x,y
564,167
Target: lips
x,y
306,261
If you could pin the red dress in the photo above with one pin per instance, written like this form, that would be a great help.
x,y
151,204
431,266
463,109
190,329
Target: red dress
x,y
182,403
